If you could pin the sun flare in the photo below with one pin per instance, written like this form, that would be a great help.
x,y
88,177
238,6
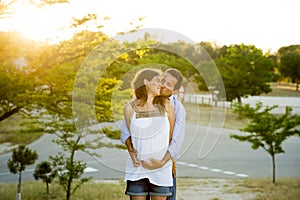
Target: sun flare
x,y
39,24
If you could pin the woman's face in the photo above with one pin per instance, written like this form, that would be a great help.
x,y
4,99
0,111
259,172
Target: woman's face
x,y
153,86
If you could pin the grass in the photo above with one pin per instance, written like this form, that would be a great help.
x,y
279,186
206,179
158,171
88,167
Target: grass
x,y
19,129
227,118
91,190
262,188
250,188
283,90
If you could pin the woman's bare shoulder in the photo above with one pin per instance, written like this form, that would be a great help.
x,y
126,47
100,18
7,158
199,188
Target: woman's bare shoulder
x,y
129,106
168,104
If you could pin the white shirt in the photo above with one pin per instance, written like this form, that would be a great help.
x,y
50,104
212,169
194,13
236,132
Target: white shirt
x,y
178,131
150,137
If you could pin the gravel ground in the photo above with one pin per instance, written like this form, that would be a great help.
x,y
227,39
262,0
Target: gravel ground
x,y
211,189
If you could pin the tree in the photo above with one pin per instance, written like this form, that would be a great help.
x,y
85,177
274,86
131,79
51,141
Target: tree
x,y
266,130
45,172
289,65
245,71
17,80
21,157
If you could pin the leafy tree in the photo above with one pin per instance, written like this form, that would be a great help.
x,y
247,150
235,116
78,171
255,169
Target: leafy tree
x,y
69,170
45,172
245,71
56,96
290,63
21,157
17,79
266,130
211,48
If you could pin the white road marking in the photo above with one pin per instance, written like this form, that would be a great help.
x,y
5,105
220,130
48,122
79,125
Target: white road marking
x,y
242,175
192,165
203,167
215,170
90,169
228,172
181,163
212,169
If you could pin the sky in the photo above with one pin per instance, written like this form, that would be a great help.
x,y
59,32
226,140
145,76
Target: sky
x,y
267,24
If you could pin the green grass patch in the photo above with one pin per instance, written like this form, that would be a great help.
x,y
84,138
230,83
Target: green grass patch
x,y
92,190
202,114
19,129
262,188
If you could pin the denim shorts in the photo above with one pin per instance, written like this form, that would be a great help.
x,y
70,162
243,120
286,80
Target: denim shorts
x,y
143,187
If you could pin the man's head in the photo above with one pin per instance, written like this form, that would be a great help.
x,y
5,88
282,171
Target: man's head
x,y
170,82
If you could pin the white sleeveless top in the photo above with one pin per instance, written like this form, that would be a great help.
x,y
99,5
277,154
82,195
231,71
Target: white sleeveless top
x,y
150,137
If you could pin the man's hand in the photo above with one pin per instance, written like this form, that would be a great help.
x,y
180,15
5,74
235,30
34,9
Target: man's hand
x,y
135,161
152,164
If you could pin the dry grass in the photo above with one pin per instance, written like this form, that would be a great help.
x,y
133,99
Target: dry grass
x,y
92,190
187,188
238,189
264,189
284,90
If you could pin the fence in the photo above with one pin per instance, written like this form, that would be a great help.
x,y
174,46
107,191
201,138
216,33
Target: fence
x,y
282,102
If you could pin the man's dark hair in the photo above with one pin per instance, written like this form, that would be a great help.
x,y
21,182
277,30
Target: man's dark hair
x,y
177,75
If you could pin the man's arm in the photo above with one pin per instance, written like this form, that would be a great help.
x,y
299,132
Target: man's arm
x,y
179,130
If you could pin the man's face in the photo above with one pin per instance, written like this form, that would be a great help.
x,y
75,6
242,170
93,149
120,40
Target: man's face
x,y
168,83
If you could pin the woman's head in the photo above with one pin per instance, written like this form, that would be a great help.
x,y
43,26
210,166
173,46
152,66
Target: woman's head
x,y
145,81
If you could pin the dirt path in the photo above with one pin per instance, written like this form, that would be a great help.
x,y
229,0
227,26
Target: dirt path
x,y
211,189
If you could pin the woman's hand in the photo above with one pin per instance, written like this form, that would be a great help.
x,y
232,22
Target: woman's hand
x,y
153,164
133,155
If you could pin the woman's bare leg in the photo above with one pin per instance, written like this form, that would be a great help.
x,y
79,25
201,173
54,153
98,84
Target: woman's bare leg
x,y
158,197
137,197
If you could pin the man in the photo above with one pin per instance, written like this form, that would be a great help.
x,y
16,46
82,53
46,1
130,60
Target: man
x,y
170,83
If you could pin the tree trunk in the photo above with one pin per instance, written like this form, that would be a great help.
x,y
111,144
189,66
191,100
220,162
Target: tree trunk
x,y
273,163
9,113
71,174
239,100
19,186
69,187
47,190
18,196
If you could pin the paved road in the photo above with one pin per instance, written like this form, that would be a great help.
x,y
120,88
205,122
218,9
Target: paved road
x,y
229,158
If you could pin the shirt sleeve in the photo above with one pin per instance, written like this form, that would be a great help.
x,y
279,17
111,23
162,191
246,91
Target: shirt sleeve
x,y
124,132
179,129
124,129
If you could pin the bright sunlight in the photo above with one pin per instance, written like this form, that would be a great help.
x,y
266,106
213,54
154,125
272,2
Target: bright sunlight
x,y
40,23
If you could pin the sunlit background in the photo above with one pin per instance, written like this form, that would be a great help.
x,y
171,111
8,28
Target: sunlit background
x,y
268,24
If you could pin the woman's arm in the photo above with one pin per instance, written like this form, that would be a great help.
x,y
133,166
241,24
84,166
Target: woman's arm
x,y
128,113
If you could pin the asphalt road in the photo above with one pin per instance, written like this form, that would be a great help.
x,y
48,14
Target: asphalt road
x,y
206,152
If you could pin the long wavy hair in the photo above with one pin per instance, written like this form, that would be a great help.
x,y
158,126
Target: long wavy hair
x,y
138,84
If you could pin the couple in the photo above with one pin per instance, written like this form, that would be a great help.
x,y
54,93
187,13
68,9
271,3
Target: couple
x,y
153,131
